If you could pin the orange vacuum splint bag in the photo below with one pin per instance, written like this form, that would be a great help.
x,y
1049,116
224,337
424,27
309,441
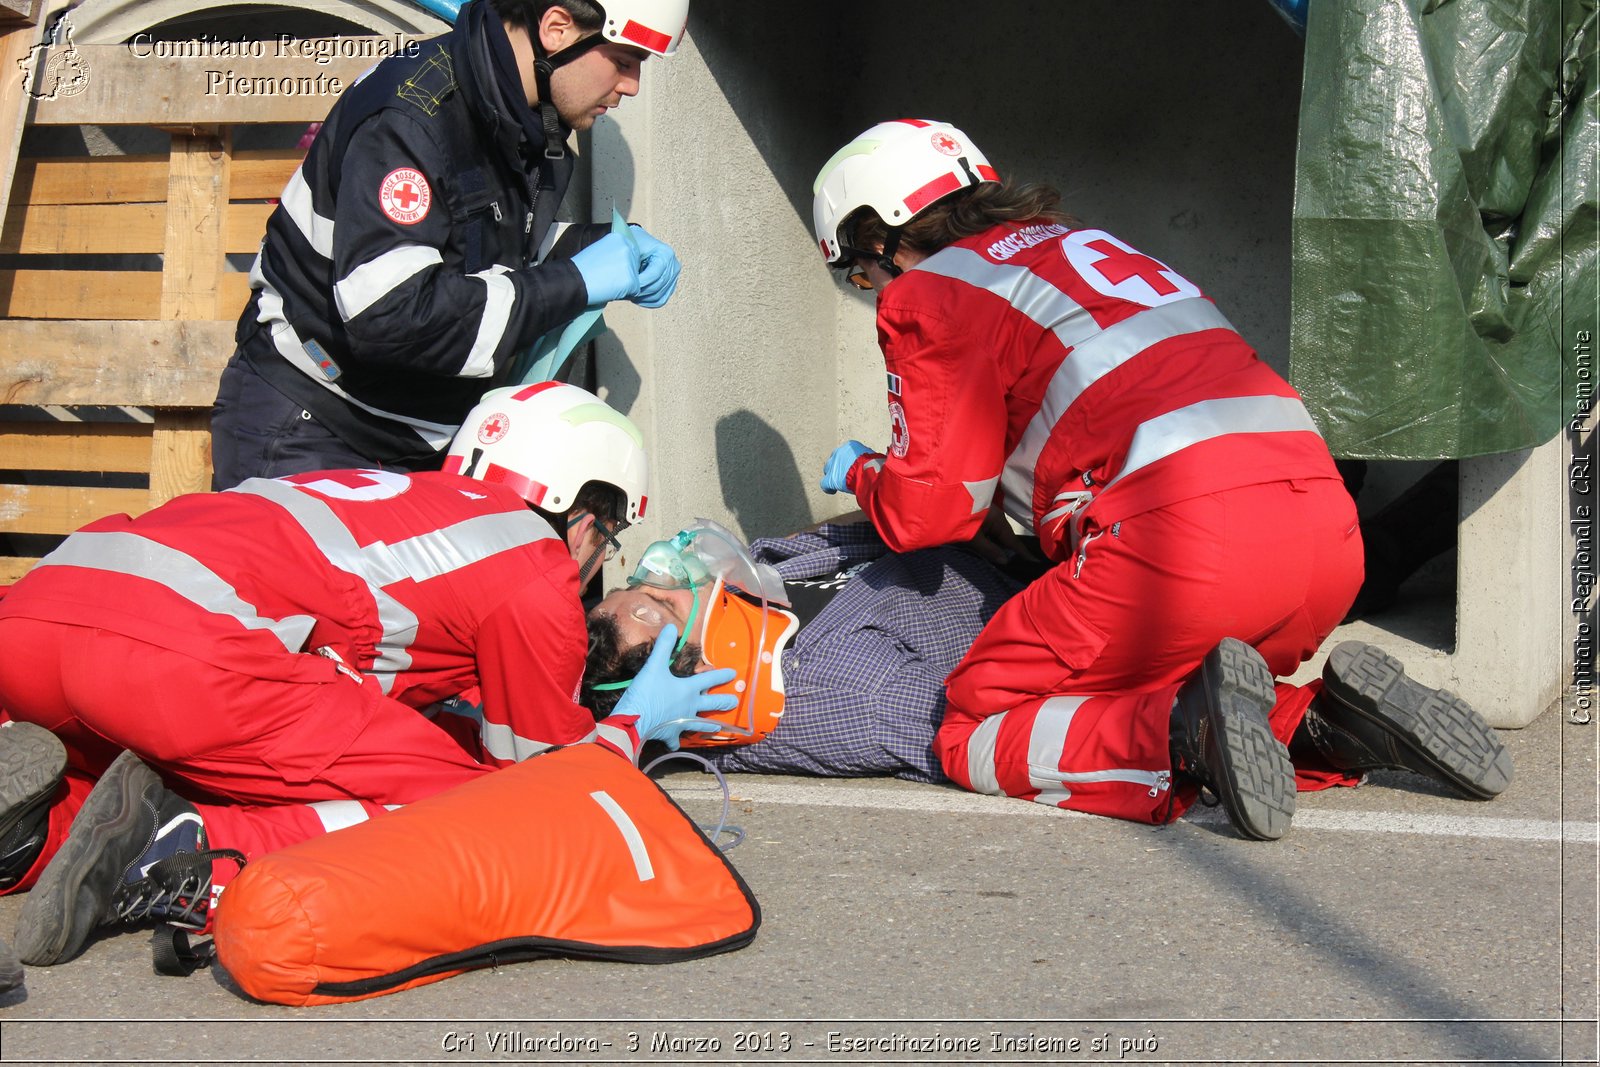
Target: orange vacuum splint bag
x,y
574,853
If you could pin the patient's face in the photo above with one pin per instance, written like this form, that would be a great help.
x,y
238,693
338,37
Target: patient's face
x,y
642,611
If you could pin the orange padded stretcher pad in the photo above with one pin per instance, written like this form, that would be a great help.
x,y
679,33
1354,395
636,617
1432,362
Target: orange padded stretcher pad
x,y
573,853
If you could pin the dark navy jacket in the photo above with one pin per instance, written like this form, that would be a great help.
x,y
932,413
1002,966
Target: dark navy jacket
x,y
401,272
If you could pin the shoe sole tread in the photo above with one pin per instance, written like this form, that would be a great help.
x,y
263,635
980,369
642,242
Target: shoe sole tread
x,y
1257,788
32,760
58,915
1436,726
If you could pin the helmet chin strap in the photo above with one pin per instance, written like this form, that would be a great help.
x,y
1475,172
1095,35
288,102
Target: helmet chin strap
x,y
891,245
544,65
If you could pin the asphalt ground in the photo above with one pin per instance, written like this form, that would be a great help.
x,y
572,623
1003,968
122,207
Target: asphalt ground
x,y
917,924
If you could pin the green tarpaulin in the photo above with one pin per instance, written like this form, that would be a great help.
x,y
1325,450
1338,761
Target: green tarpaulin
x,y
1445,225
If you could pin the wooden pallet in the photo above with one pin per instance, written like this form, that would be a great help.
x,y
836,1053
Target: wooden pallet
x,y
150,343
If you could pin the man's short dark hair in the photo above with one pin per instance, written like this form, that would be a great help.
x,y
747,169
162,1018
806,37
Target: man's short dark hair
x,y
527,13
602,500
610,661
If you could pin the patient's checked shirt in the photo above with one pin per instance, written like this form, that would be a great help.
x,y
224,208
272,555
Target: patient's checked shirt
x,y
423,584
1071,378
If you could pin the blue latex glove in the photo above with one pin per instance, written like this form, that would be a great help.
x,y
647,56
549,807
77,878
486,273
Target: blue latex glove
x,y
610,269
837,469
658,273
665,704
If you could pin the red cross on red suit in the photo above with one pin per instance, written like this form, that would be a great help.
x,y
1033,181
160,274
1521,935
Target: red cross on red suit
x,y
1120,264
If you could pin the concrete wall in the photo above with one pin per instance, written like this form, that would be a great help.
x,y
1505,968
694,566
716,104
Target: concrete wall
x,y
1172,125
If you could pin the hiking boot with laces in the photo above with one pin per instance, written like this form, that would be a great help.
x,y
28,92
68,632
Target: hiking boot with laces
x,y
135,852
32,760
1222,741
1370,715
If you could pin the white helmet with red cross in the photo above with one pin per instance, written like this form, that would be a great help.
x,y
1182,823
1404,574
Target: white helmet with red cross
x,y
898,169
546,441
654,25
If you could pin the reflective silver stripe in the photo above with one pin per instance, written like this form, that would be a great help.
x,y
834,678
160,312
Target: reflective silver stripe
x,y
498,740
496,315
1096,357
980,756
377,278
1167,434
374,565
982,493
296,203
473,540
1046,741
1066,503
418,558
1027,292
1115,345
1149,779
502,742
630,833
140,557
618,738
290,347
338,814
551,236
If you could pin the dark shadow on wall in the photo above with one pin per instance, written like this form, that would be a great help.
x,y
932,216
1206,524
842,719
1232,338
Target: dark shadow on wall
x,y
1172,125
1052,81
772,499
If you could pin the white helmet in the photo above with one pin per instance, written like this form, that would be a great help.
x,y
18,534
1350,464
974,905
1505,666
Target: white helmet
x,y
546,441
897,169
654,25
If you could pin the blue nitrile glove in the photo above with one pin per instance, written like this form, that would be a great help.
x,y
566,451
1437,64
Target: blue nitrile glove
x,y
665,704
610,269
837,469
658,273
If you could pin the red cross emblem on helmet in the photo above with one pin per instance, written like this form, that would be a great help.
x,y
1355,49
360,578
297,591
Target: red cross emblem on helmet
x,y
493,428
943,142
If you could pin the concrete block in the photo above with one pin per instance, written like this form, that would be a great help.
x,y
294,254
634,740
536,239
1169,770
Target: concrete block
x,y
1499,643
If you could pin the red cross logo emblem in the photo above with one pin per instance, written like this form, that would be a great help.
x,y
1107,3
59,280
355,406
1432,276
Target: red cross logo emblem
x,y
1119,265
1112,268
943,142
494,428
405,196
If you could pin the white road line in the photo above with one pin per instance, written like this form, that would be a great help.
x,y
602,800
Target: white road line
x,y
954,802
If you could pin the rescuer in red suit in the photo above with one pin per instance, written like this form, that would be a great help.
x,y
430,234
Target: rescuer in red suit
x,y
1202,541
273,658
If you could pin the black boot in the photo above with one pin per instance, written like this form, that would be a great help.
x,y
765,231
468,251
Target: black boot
x,y
32,760
135,853
1221,739
1370,715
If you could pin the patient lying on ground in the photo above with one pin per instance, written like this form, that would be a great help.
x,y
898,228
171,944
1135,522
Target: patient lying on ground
x,y
841,663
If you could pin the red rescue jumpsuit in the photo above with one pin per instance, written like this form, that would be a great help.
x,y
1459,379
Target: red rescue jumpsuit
x,y
1102,399
268,649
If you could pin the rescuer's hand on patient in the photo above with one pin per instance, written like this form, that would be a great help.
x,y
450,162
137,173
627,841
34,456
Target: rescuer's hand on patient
x,y
610,269
658,270
836,471
665,704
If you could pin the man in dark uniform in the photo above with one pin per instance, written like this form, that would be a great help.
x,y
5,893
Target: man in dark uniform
x,y
414,254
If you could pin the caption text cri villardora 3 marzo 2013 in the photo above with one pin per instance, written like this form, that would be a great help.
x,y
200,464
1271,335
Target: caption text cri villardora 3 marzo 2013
x,y
765,1043
320,51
